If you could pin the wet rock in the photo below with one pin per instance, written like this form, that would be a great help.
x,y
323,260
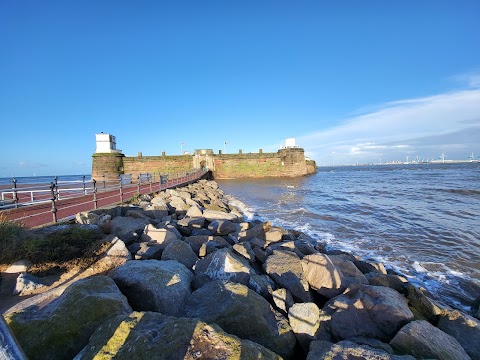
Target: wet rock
x,y
222,265
180,251
423,340
428,308
370,311
398,283
285,268
465,329
242,312
349,350
152,285
151,335
62,328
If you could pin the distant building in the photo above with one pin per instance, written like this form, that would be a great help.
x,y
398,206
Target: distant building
x,y
289,144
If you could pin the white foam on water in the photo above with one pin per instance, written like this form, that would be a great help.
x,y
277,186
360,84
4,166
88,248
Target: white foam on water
x,y
246,210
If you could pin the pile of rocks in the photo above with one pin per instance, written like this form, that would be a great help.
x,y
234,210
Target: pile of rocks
x,y
196,281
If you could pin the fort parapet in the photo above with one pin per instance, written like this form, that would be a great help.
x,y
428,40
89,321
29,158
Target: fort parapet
x,y
289,161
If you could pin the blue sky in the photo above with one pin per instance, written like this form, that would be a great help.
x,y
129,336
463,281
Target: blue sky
x,y
352,81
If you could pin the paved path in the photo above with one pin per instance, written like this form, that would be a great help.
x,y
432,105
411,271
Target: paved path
x,y
42,214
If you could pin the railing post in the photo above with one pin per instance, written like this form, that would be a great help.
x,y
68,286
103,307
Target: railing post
x,y
84,190
55,179
150,176
121,191
138,184
54,209
94,194
104,185
15,195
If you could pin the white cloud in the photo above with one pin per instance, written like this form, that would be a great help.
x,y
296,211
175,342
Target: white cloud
x,y
427,126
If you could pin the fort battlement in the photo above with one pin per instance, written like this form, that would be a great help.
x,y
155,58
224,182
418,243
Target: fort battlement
x,y
289,161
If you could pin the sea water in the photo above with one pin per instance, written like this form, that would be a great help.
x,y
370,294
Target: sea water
x,y
422,220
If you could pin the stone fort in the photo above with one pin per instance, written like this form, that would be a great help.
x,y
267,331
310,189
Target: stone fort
x,y
108,162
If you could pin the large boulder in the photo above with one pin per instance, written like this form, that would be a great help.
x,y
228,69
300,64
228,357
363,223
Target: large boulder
x,y
347,350
221,227
178,205
122,225
419,299
152,285
285,268
222,265
309,323
149,335
155,236
322,275
424,341
351,274
62,328
212,215
396,282
464,328
197,241
242,312
180,251
370,311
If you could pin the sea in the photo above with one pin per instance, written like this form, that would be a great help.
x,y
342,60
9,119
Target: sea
x,y
421,220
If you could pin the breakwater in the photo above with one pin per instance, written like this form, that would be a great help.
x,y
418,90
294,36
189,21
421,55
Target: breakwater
x,y
186,261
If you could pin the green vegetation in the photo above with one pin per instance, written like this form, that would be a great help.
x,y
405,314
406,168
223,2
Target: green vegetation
x,y
70,246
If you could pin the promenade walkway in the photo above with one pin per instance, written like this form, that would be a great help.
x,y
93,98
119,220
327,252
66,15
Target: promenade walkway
x,y
49,207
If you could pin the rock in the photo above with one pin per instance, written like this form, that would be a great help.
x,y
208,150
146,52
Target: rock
x,y
465,329
285,268
367,267
370,311
201,232
178,205
62,328
257,231
87,217
221,227
428,308
262,285
475,307
121,225
212,215
212,246
116,254
181,252
137,214
26,284
187,225
283,300
304,318
19,266
322,275
147,252
398,283
154,212
242,312
194,211
351,275
222,265
283,245
152,285
305,247
373,343
245,250
155,236
423,340
260,255
347,350
196,242
149,335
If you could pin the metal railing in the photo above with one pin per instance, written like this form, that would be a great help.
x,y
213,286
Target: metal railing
x,y
45,203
